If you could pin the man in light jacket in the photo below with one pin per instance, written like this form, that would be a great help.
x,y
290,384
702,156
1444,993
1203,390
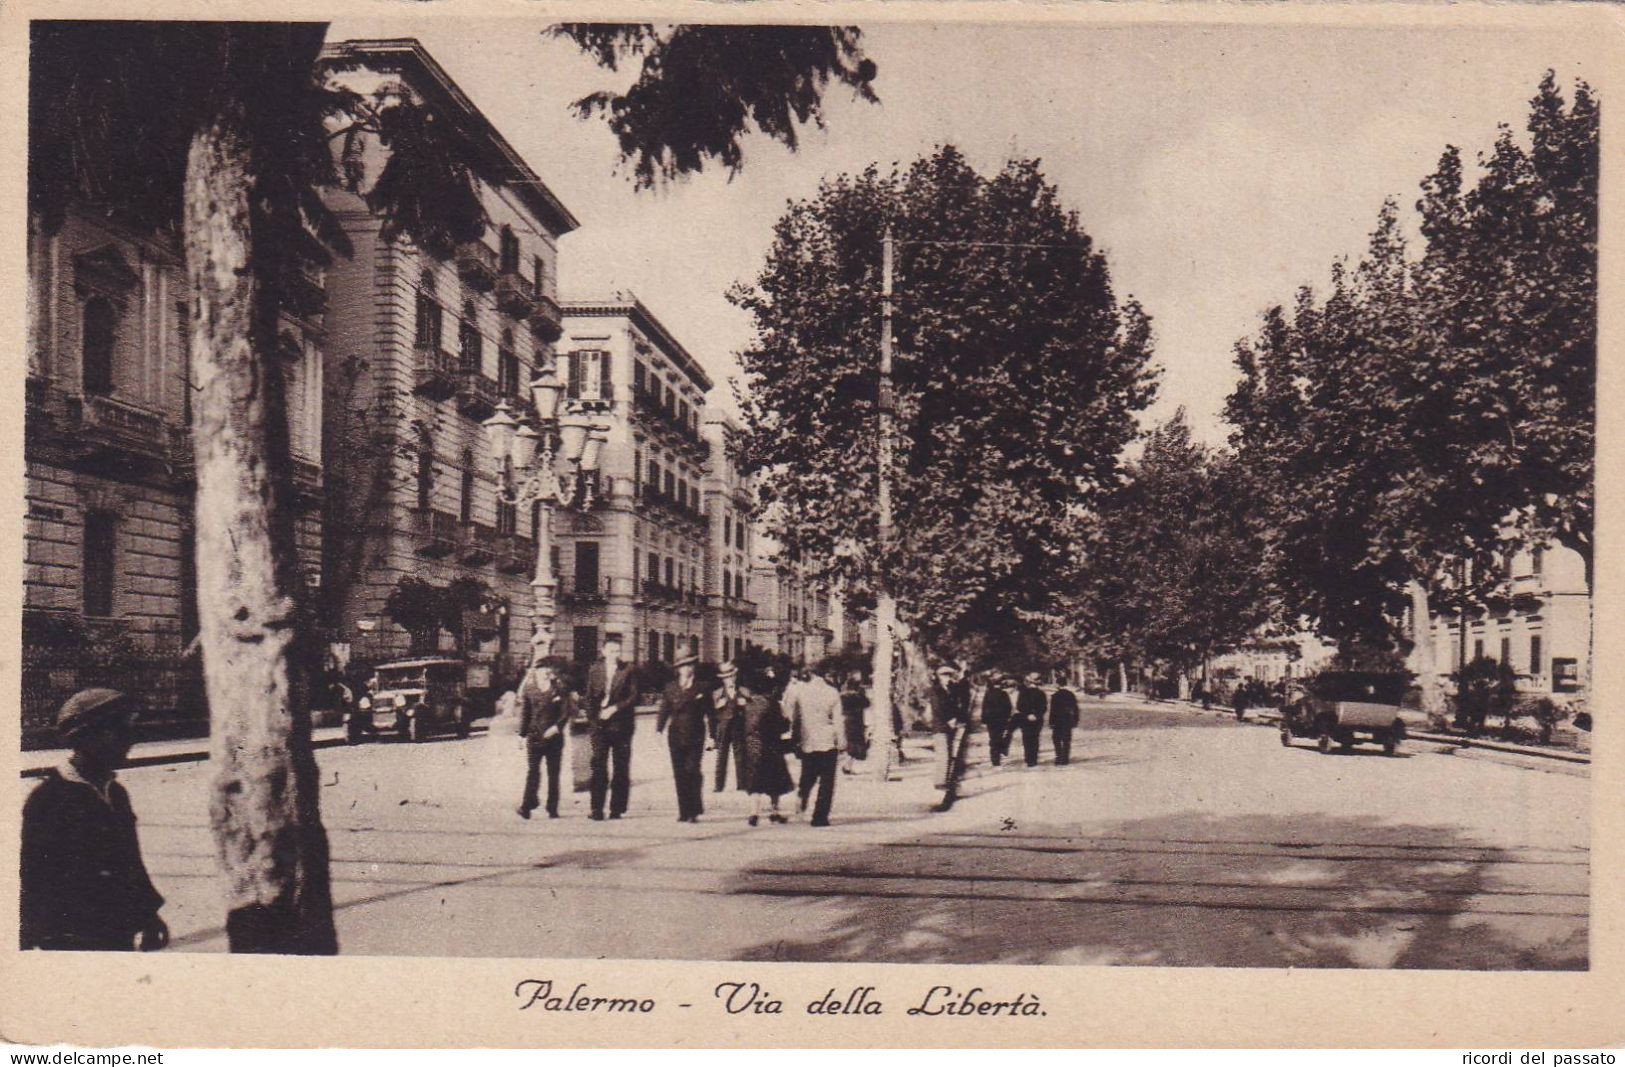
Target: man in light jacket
x,y
814,710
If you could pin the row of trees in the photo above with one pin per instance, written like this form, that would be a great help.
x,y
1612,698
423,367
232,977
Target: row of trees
x,y
1427,415
223,134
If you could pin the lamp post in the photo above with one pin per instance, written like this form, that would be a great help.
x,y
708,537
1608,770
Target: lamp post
x,y
553,458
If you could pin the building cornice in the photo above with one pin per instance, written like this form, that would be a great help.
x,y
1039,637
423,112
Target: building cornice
x,y
407,57
630,307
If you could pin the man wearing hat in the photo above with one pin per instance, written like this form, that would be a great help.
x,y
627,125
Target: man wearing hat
x,y
813,708
84,885
996,718
950,714
728,704
686,709
611,703
1031,704
546,708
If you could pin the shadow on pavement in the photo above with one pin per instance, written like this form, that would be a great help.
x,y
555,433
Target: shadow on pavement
x,y
1189,890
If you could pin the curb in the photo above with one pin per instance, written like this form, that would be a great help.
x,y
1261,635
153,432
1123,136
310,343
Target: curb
x,y
186,755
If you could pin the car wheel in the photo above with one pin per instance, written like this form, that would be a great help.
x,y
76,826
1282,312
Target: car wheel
x,y
1325,742
1345,743
1389,744
417,727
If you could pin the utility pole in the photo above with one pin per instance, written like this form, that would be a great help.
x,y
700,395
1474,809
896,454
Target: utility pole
x,y
880,700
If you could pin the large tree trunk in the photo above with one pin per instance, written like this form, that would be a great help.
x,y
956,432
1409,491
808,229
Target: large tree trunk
x,y
264,812
1424,652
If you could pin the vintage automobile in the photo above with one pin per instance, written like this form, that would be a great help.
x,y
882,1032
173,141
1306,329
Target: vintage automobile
x,y
1347,707
414,698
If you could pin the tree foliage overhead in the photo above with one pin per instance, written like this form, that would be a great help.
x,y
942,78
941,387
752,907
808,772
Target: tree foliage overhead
x,y
1427,415
1171,572
703,88
1017,375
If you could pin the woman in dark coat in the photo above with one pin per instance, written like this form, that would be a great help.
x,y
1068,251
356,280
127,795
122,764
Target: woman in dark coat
x,y
765,733
854,702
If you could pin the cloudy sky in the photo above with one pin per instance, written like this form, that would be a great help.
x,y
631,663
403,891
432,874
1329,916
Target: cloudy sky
x,y
1220,167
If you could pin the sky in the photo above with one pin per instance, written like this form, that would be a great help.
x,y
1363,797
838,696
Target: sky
x,y
1218,167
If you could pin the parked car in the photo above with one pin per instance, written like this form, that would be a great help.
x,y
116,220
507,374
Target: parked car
x,y
1347,707
414,698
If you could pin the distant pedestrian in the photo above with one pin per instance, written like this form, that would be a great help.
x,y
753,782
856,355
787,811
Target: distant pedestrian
x,y
814,710
84,884
1063,719
727,711
996,718
949,698
611,706
854,703
764,735
1031,704
546,707
1238,699
685,709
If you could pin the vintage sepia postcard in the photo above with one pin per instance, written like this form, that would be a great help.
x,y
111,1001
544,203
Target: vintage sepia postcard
x,y
858,525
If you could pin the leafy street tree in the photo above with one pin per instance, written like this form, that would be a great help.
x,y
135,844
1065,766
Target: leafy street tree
x,y
1428,416
1018,373
218,132
1171,572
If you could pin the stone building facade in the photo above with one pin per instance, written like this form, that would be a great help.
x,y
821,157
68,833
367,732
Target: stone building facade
x,y
1540,624
729,611
792,613
421,350
109,588
635,566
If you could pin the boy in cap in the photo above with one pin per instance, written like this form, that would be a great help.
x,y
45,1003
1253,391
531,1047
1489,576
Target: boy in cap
x,y
84,885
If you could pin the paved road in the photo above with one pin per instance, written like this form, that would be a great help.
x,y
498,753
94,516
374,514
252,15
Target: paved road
x,y
1174,839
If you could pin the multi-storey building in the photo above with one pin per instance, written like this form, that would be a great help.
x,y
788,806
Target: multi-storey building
x,y
423,344
792,613
729,610
635,566
1540,624
110,594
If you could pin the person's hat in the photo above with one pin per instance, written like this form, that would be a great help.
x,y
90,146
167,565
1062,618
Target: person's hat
x,y
945,668
687,659
89,707
727,670
550,663
1033,677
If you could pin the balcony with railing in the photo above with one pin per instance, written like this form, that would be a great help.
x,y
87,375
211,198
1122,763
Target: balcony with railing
x,y
547,319
516,294
438,534
476,393
479,544
477,264
584,589
515,554
437,371
104,427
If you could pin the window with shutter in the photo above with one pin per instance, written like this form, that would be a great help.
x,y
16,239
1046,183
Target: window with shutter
x,y
573,389
605,392
465,503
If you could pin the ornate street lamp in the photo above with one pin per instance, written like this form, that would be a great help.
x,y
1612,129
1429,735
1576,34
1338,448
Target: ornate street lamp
x,y
553,462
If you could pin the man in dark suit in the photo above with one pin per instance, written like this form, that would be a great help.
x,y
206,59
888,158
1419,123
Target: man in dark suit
x,y
1063,718
996,718
1031,704
611,701
728,704
685,709
546,707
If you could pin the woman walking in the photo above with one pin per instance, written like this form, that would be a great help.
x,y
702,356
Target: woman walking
x,y
854,702
764,732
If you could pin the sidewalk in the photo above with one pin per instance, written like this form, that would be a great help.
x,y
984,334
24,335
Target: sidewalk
x,y
152,753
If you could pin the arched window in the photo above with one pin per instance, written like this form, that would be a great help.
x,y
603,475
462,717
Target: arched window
x,y
96,343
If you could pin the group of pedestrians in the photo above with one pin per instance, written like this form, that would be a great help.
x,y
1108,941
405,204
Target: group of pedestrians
x,y
1006,710
754,724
